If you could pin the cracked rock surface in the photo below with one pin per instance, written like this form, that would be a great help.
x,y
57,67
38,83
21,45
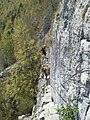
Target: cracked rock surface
x,y
70,55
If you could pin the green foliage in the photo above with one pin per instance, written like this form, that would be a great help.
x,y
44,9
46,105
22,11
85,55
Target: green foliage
x,y
19,90
20,24
68,112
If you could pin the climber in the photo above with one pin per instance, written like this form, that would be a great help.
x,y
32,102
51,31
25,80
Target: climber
x,y
44,50
57,16
46,71
44,55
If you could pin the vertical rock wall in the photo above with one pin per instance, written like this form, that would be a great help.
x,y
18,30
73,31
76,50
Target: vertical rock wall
x,y
70,63
70,55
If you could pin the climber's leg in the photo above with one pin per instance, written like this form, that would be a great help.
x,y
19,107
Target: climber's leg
x,y
45,75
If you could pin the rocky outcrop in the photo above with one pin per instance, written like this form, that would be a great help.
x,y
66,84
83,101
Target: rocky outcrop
x,y
70,55
45,109
7,71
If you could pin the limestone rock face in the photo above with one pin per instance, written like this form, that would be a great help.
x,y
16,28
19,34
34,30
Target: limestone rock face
x,y
70,63
45,109
70,55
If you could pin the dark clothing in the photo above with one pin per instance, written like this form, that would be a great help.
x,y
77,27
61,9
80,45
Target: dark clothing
x,y
44,51
45,73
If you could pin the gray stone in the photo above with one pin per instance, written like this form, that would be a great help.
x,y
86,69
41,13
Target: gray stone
x,y
70,62
70,55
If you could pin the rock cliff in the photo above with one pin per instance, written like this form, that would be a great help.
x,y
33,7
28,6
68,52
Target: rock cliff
x,y
70,63
70,55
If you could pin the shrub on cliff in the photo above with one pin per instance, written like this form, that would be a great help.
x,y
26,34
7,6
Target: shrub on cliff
x,y
68,112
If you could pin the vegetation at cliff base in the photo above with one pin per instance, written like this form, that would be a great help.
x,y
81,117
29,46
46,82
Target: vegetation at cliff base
x,y
22,24
68,112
